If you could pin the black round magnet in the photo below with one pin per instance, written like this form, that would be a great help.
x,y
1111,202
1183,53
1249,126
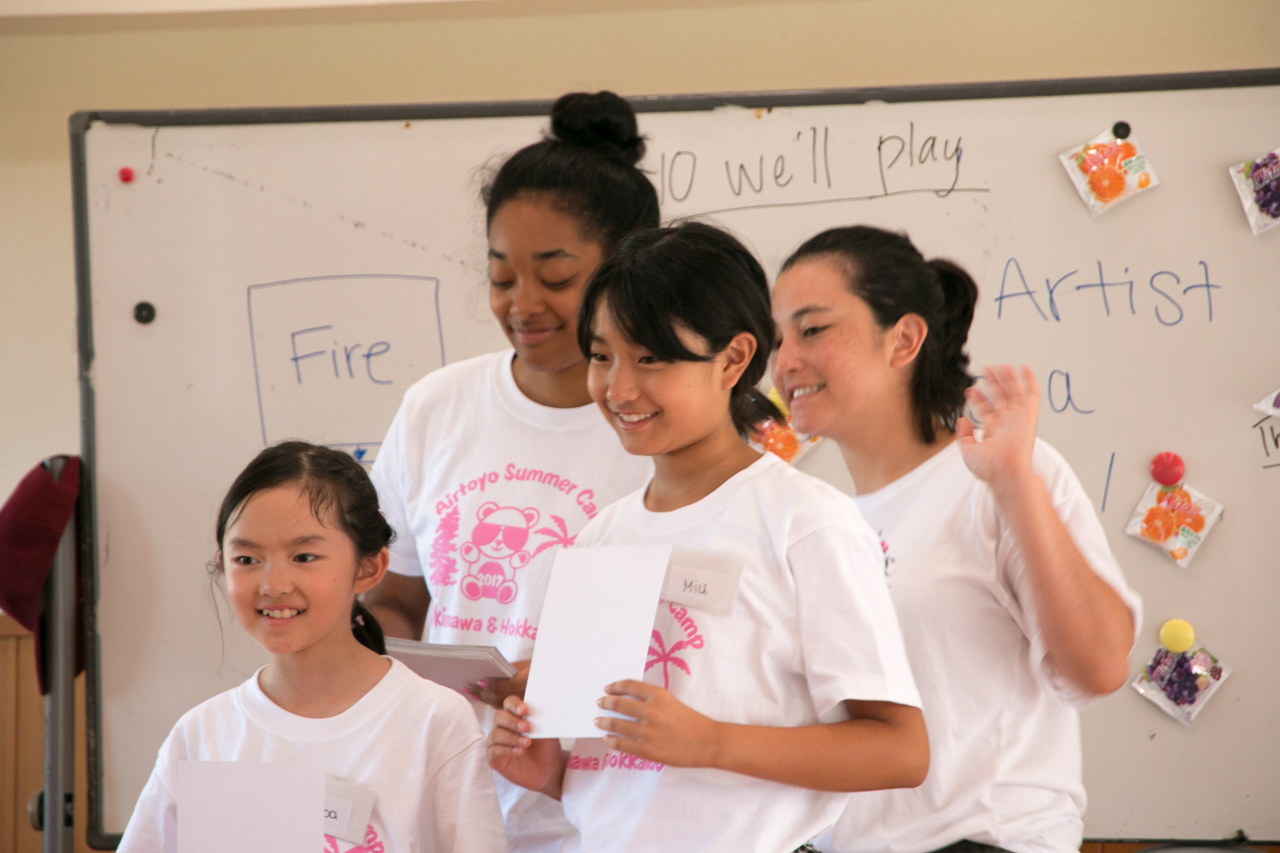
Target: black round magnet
x,y
1120,130
144,312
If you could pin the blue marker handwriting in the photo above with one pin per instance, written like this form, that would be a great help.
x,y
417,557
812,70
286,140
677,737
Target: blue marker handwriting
x,y
340,355
1059,393
1168,297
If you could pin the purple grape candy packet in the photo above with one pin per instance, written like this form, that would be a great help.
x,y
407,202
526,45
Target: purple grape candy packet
x,y
1269,405
1180,683
1257,183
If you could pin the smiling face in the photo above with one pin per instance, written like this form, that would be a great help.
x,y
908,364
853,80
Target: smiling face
x,y
291,579
659,407
539,261
833,364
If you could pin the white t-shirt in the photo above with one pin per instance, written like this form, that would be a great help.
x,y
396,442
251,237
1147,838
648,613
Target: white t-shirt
x,y
482,485
811,627
1004,733
414,742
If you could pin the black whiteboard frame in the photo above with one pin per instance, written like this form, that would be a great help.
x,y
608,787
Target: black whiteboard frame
x,y
80,122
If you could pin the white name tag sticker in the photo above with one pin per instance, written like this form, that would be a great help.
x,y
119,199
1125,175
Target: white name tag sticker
x,y
702,579
347,809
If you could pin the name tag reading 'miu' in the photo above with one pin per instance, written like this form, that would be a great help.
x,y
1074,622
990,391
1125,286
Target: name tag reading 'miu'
x,y
702,579
347,808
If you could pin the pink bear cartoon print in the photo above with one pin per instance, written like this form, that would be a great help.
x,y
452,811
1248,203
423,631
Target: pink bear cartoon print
x,y
495,551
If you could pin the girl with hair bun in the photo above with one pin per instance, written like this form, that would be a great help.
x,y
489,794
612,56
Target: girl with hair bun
x,y
754,717
493,463
1012,606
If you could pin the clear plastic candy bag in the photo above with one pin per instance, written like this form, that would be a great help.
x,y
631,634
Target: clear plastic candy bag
x,y
1257,183
1109,169
1180,683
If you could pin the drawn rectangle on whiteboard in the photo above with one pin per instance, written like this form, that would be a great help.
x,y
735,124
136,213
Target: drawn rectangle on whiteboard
x,y
333,356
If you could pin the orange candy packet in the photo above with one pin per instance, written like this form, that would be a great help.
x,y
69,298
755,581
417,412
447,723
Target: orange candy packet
x,y
1175,519
779,437
781,440
1109,168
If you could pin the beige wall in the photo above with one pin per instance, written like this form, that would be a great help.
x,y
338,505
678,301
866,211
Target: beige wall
x,y
498,50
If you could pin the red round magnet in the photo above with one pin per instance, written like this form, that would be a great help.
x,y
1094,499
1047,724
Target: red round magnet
x,y
126,174
1167,468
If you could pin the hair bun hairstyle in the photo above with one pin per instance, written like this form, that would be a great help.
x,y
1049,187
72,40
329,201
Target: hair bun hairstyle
x,y
602,120
586,167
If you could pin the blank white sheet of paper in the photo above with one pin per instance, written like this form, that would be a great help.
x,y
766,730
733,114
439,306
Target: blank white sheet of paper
x,y
596,622
250,805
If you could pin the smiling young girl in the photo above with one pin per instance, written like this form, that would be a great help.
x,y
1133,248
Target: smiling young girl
x,y
299,536
1013,608
493,463
746,724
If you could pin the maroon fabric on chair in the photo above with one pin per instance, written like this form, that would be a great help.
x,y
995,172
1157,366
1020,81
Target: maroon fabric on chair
x,y
31,525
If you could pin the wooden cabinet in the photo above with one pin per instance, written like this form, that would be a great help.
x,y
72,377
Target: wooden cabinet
x,y
22,741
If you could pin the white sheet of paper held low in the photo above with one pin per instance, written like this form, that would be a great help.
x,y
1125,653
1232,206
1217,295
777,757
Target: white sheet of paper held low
x,y
595,627
250,805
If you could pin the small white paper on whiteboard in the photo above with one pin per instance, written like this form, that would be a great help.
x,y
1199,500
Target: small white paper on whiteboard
x,y
596,623
250,805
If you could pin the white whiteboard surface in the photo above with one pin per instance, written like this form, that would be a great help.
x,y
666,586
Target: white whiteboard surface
x,y
378,227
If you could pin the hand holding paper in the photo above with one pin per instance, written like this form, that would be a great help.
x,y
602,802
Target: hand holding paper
x,y
655,725
595,628
534,764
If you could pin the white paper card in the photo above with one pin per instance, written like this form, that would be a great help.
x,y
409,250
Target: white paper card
x,y
249,805
702,579
596,622
347,808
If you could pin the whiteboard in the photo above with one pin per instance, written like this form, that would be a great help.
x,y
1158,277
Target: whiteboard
x,y
305,266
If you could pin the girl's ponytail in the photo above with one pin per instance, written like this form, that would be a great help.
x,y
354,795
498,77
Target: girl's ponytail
x,y
942,372
749,408
959,296
366,628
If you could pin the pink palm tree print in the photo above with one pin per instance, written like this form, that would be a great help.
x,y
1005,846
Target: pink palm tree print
x,y
558,537
660,654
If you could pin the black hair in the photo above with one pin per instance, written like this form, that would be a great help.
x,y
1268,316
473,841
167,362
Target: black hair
x,y
586,167
887,271
694,276
336,485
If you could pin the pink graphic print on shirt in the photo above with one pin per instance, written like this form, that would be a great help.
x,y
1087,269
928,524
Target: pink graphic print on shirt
x,y
889,559
372,844
499,542
496,550
559,536
660,653
443,565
